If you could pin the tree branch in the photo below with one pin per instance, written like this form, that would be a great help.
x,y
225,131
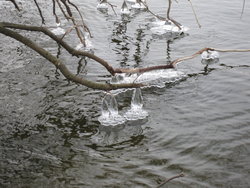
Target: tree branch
x,y
71,50
64,70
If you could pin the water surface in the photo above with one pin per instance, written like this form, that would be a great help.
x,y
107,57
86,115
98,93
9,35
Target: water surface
x,y
49,130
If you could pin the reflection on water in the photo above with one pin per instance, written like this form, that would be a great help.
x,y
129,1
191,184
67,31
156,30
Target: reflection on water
x,y
50,135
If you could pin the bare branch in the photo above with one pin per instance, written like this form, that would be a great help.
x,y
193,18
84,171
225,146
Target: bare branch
x,y
71,50
58,63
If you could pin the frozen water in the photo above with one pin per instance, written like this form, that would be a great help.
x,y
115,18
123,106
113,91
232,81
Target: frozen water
x,y
136,112
110,115
131,1
125,10
155,78
164,75
208,55
162,27
102,5
139,5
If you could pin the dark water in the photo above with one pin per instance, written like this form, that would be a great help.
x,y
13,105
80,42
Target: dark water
x,y
49,132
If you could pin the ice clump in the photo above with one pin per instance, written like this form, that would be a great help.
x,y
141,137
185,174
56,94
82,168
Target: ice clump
x,y
155,78
102,5
125,10
139,4
208,55
136,112
110,115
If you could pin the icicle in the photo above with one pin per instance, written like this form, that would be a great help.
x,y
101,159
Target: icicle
x,y
125,10
110,115
136,112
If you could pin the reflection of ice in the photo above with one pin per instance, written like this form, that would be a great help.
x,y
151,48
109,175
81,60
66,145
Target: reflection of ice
x,y
110,115
125,10
136,112
210,55
58,31
163,27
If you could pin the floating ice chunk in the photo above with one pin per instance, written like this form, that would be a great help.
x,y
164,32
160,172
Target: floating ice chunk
x,y
102,5
209,55
136,112
110,115
125,10
58,31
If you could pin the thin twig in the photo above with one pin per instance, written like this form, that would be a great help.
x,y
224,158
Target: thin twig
x,y
243,7
112,6
195,15
169,179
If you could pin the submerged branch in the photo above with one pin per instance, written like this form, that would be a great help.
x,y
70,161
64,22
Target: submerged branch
x,y
169,179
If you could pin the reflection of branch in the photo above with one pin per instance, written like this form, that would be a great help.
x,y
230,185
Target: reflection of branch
x,y
40,12
15,4
169,179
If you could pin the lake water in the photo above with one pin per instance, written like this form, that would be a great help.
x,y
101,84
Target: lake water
x,y
49,130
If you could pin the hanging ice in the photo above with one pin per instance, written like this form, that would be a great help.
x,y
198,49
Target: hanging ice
x,y
136,112
209,55
102,5
110,115
131,1
88,44
139,4
125,10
